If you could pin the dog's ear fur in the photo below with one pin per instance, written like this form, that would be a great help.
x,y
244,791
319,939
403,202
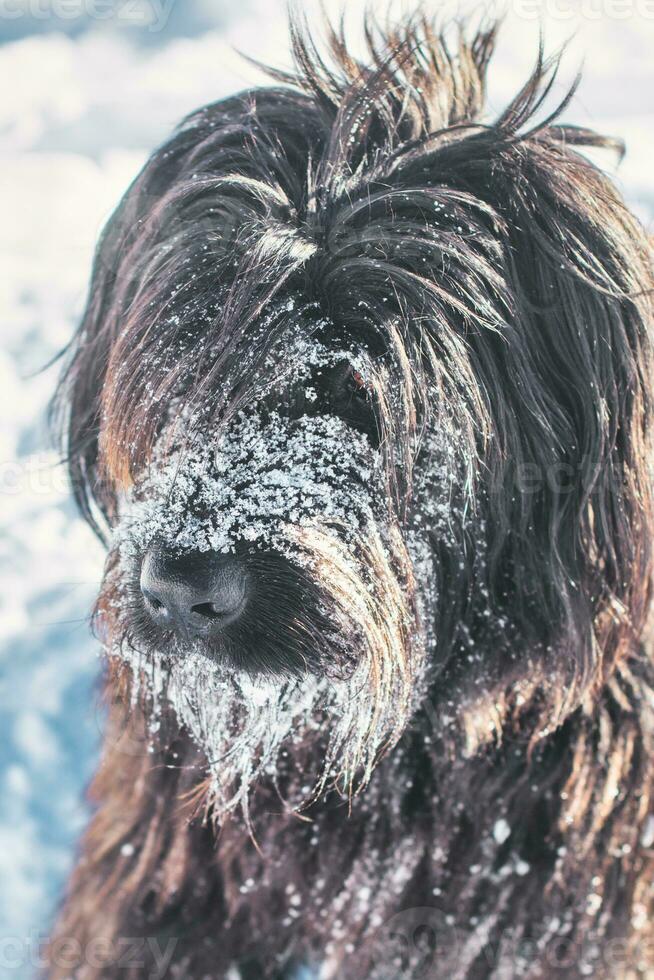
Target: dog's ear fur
x,y
567,381
579,368
134,281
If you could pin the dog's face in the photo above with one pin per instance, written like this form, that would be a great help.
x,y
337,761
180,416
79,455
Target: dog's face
x,y
361,392
263,567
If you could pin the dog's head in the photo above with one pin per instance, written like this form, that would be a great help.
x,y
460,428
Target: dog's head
x,y
362,394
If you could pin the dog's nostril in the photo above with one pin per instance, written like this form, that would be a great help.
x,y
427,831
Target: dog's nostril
x,y
195,592
152,599
209,610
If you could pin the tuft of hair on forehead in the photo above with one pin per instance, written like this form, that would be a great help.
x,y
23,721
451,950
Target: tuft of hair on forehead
x,y
413,81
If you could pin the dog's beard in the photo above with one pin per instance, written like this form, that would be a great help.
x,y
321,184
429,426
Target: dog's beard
x,y
311,490
249,726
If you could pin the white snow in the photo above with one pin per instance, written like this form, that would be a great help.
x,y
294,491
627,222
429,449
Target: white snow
x,y
501,831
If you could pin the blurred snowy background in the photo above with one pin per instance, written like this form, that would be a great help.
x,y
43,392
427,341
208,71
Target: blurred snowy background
x,y
89,87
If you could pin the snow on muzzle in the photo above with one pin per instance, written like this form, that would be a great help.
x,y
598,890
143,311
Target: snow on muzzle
x,y
271,549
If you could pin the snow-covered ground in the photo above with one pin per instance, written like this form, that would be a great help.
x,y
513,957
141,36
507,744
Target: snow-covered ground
x,y
84,100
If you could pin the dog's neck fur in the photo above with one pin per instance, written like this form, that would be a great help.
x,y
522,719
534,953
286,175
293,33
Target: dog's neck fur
x,y
556,830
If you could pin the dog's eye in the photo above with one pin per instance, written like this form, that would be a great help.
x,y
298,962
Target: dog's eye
x,y
346,384
358,382
350,397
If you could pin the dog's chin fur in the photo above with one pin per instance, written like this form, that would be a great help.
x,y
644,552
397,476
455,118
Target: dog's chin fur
x,y
361,674
397,360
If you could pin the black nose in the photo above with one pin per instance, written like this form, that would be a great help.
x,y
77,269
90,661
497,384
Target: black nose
x,y
195,593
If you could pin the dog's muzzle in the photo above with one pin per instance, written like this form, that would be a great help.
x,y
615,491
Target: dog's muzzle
x,y
196,594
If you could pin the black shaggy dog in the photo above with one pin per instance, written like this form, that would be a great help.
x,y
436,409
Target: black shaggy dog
x,y
362,401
